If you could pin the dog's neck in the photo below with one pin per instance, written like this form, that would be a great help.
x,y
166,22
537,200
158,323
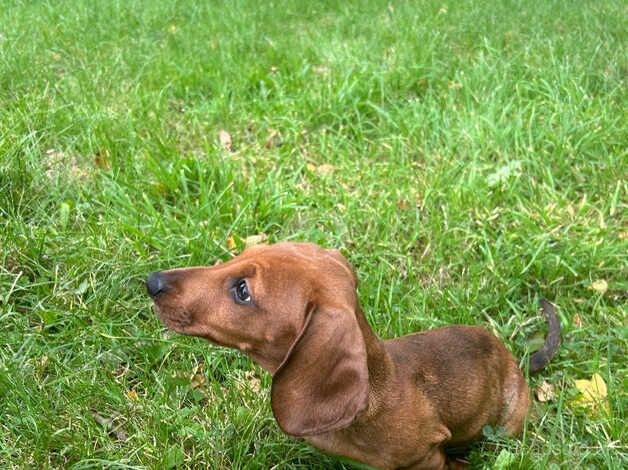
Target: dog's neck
x,y
379,362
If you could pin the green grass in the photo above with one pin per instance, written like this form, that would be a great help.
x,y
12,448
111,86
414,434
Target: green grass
x,y
479,162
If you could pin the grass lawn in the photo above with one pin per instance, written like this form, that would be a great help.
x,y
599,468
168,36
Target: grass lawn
x,y
468,158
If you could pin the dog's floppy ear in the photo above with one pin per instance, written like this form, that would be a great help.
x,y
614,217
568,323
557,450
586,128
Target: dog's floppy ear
x,y
322,383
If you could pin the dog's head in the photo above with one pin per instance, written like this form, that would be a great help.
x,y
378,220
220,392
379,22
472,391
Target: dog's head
x,y
292,308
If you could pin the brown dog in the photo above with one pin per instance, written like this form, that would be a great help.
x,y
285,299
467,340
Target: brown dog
x,y
391,404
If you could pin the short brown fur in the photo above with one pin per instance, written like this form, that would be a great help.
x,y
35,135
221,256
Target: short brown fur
x,y
390,404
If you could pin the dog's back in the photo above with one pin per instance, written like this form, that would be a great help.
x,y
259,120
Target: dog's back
x,y
468,374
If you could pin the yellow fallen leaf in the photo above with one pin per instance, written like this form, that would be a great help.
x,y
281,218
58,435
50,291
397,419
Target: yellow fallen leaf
x,y
599,285
592,392
131,394
231,244
253,240
323,170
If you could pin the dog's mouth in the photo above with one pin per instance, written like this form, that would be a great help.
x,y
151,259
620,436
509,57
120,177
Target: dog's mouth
x,y
183,322
174,318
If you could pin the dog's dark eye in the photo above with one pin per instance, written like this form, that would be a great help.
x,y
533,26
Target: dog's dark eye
x,y
241,293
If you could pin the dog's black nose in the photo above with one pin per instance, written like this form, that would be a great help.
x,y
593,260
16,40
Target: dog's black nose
x,y
156,284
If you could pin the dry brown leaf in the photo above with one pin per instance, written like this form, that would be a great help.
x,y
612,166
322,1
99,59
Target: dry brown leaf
x,y
259,239
570,211
43,363
198,380
113,429
577,321
253,381
325,169
225,139
60,163
102,159
320,69
159,187
274,139
199,383
599,285
403,204
545,392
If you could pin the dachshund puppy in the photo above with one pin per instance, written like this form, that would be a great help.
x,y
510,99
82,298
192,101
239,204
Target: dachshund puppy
x,y
400,403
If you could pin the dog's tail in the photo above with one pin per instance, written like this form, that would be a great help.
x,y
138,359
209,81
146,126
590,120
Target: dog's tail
x,y
541,358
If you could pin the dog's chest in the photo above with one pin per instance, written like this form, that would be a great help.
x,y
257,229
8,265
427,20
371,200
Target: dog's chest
x,y
375,442
359,447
